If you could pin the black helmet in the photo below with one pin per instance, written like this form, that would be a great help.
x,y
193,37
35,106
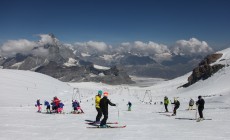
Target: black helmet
x,y
199,97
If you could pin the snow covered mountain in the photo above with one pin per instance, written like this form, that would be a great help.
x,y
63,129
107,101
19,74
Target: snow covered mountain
x,y
50,56
145,66
19,119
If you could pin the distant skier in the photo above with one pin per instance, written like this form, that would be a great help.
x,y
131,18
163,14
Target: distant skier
x,y
54,107
166,102
104,108
176,106
47,104
191,103
76,107
55,104
79,109
97,105
129,106
56,101
60,107
38,104
200,103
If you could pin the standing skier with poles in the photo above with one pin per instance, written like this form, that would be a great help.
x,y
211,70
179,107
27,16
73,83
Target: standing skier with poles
x,y
177,105
191,103
129,106
166,102
104,102
200,103
97,105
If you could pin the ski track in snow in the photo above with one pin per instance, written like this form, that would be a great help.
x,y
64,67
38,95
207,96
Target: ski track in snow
x,y
20,121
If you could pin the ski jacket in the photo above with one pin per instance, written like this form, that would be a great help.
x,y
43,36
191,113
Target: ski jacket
x,y
75,104
129,104
38,103
191,102
200,103
61,105
166,101
104,104
56,101
47,103
177,104
97,101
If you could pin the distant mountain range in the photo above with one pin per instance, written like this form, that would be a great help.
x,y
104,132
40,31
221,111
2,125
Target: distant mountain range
x,y
68,63
60,62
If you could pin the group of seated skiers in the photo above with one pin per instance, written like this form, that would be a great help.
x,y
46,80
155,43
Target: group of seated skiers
x,y
56,106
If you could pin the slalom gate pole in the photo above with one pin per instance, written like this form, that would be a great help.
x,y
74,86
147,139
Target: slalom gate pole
x,y
196,112
118,115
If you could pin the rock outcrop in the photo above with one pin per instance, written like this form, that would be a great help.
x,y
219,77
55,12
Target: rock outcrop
x,y
204,70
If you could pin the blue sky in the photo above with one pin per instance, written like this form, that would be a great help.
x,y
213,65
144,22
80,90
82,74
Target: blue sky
x,y
116,21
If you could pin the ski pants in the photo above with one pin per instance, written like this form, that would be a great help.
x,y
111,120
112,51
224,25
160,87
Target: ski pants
x,y
99,114
174,110
39,108
103,122
166,107
200,110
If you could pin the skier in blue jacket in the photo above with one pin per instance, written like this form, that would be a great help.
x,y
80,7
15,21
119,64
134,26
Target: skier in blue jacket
x,y
47,104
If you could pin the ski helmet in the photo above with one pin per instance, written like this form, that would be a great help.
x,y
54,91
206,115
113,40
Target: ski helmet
x,y
106,94
99,92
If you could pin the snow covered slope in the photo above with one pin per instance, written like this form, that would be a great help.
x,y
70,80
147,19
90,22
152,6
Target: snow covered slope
x,y
19,119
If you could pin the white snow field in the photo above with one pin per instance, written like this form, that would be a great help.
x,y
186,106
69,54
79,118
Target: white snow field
x,y
20,121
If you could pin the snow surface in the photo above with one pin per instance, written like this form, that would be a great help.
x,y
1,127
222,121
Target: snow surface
x,y
20,121
85,54
100,67
71,62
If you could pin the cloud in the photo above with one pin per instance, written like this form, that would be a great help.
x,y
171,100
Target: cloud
x,y
191,47
158,51
46,39
92,46
11,47
40,51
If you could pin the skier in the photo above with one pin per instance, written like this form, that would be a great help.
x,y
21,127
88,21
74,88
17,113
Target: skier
x,y
76,107
166,102
177,105
104,108
55,104
38,104
191,103
200,103
47,104
56,101
97,105
54,107
79,110
129,106
60,107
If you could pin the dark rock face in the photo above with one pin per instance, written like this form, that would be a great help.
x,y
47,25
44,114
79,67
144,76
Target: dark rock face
x,y
204,70
82,73
210,59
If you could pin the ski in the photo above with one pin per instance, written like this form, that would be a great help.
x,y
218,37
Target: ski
x,y
92,123
189,119
164,112
121,126
191,109
168,115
